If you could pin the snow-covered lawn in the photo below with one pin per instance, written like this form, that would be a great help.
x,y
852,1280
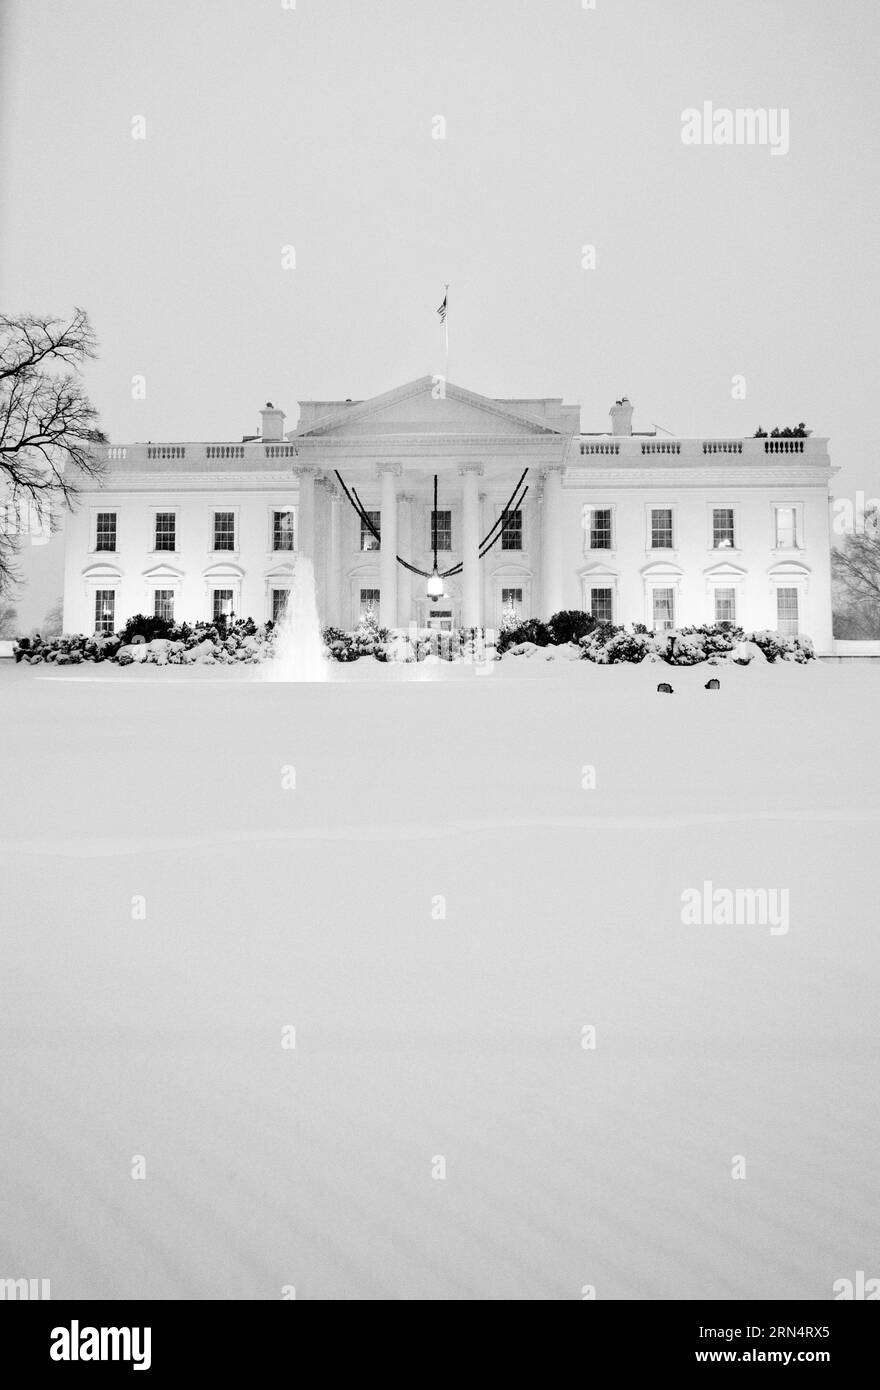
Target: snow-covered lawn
x,y
419,1034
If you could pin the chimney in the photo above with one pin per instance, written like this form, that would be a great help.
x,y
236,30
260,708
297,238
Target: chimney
x,y
621,416
272,429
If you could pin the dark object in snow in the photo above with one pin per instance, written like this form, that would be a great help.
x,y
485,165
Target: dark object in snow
x,y
664,688
713,685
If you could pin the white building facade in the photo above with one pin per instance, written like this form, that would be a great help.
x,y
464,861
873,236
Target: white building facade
x,y
636,528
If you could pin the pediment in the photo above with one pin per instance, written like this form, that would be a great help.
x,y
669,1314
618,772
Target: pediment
x,y
102,570
163,572
599,568
791,569
512,571
661,568
725,571
421,407
224,569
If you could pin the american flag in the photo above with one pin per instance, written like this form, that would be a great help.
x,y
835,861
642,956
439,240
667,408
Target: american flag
x,y
442,310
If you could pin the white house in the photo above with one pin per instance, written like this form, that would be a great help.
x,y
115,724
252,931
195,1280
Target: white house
x,y
632,526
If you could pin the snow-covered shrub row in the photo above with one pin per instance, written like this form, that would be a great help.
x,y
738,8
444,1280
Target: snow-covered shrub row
x,y
68,650
182,645
244,641
161,643
688,646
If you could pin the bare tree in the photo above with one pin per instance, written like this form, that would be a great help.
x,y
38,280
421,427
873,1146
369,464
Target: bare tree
x,y
8,620
53,621
48,425
856,571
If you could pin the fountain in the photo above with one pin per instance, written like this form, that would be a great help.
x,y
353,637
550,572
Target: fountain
x,y
299,647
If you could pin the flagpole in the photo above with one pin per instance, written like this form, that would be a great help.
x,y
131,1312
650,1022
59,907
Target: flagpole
x,y
446,331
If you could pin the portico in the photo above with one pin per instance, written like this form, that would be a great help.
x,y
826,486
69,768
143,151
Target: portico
x,y
381,456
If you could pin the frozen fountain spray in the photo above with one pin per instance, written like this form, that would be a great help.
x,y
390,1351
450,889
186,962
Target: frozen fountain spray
x,y
299,647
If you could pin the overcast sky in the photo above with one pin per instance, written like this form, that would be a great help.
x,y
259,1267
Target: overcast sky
x,y
312,127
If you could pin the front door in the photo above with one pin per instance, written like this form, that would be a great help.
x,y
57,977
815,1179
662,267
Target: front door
x,y
439,619
438,615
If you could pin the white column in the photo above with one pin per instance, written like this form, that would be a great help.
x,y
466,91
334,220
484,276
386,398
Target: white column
x,y
389,473
551,544
485,524
404,576
306,541
470,545
334,576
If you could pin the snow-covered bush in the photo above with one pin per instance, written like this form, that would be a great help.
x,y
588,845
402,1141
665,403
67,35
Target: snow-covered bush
x,y
608,645
778,648
716,639
683,649
531,630
102,647
570,625
340,644
368,639
147,626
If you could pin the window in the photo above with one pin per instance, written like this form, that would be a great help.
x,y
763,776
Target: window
x,y
602,605
664,609
600,528
163,604
661,528
725,605
166,531
368,540
279,603
787,612
105,610
224,530
444,530
722,528
282,531
786,528
511,530
369,603
511,603
105,531
222,607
